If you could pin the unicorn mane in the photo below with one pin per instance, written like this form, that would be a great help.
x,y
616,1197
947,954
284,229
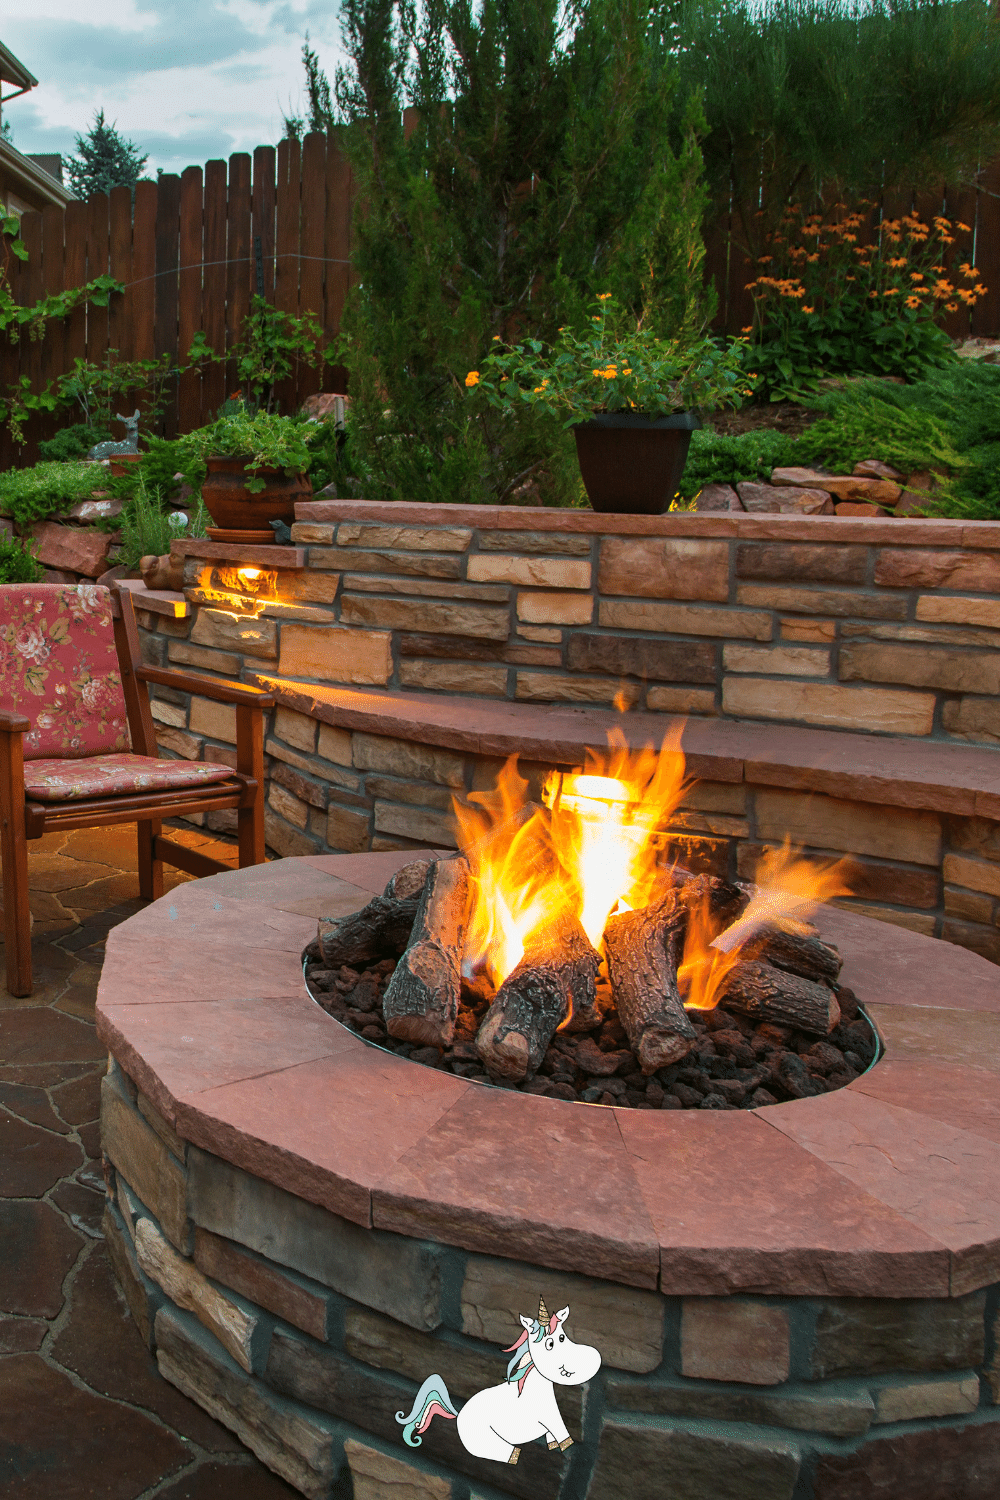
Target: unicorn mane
x,y
521,1365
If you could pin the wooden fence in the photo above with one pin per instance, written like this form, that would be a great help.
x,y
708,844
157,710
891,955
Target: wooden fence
x,y
191,254
197,246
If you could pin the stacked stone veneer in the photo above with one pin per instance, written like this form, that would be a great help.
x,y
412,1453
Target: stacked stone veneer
x,y
852,625
305,1333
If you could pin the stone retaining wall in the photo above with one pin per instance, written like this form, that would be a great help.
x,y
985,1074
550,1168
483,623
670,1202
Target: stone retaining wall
x,y
305,1333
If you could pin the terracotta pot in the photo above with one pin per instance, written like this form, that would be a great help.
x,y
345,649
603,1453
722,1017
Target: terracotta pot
x,y
633,464
233,507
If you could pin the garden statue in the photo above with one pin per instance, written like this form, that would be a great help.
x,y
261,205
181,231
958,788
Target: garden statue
x,y
113,450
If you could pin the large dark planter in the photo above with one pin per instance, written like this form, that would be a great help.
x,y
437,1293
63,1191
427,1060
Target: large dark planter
x,y
234,508
633,464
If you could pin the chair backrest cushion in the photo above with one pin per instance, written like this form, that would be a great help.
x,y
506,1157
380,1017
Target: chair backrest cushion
x,y
59,667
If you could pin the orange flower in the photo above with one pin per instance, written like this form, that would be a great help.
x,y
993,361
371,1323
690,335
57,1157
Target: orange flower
x,y
472,378
913,302
916,275
951,307
808,309
747,329
764,260
892,291
899,260
964,228
603,296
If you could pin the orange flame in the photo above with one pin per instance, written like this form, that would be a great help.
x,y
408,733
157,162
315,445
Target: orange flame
x,y
788,890
594,850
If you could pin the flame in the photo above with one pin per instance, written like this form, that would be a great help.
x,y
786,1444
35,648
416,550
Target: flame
x,y
593,847
788,890
243,593
593,851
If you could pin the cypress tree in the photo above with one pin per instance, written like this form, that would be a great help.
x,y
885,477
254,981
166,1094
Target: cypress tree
x,y
534,167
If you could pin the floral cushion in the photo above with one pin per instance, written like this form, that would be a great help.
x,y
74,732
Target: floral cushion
x,y
114,775
59,667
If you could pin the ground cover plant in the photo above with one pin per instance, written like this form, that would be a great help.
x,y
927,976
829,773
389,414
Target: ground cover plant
x,y
18,563
48,489
948,423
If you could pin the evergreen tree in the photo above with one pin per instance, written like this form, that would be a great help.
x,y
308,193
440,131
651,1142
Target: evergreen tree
x,y
104,161
535,168
318,91
823,96
6,134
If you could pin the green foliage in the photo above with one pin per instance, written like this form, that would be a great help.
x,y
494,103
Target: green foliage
x,y
104,161
72,442
18,563
948,423
804,94
830,301
34,494
611,365
716,459
272,346
264,439
536,169
320,115
145,526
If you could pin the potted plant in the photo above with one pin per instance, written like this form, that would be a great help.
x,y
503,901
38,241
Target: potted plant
x,y
631,399
256,464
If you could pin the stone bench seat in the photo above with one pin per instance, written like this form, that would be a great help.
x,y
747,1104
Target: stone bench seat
x,y
890,771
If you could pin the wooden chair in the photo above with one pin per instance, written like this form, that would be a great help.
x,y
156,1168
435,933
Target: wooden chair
x,y
78,748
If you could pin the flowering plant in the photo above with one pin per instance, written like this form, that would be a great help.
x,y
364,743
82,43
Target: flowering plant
x,y
832,298
613,366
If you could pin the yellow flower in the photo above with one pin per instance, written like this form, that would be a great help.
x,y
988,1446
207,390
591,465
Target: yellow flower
x,y
603,296
626,369
539,388
496,338
597,374
472,378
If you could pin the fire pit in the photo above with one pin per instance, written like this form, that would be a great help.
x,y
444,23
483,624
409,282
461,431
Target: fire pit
x,y
567,952
801,1298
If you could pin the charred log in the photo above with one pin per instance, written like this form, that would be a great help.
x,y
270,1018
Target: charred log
x,y
643,950
765,993
725,902
797,953
408,882
380,930
422,997
554,978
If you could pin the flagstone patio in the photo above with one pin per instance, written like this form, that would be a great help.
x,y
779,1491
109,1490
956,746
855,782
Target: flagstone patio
x,y
85,1412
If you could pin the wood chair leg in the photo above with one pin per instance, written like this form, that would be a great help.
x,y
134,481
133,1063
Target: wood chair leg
x,y
150,869
250,760
14,854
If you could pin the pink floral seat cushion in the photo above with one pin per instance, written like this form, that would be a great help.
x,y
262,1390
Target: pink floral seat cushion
x,y
114,775
59,667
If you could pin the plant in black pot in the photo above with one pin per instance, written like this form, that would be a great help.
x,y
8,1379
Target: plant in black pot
x,y
257,465
632,400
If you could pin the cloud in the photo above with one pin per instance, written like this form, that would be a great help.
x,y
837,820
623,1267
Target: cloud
x,y
185,80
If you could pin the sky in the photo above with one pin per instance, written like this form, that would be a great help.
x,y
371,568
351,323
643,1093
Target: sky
x,y
186,80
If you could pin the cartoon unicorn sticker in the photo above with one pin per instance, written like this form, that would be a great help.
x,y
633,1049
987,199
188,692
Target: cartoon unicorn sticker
x,y
497,1422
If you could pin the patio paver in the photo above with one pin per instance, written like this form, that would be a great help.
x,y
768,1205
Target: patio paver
x,y
86,1412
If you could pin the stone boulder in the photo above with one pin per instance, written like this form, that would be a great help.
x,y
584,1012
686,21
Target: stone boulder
x,y
718,497
75,549
784,499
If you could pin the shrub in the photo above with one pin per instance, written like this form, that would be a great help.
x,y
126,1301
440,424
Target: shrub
x,y
715,459
72,443
147,529
47,489
830,300
18,563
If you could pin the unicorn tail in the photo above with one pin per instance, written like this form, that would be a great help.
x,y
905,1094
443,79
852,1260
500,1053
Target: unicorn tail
x,y
432,1400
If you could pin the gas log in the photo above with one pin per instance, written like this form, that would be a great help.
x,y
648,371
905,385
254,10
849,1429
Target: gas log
x,y
765,993
556,975
643,951
797,952
380,930
422,998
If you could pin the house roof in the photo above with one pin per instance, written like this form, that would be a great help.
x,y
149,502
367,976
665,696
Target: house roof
x,y
12,71
30,181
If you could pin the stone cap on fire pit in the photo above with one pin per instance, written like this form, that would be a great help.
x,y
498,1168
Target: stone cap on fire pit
x,y
889,1187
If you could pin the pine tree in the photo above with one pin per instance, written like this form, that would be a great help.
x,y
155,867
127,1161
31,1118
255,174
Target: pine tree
x,y
536,169
104,161
318,91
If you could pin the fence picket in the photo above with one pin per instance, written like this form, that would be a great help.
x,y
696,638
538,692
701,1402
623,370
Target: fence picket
x,y
238,256
120,331
337,249
264,168
165,295
189,296
213,292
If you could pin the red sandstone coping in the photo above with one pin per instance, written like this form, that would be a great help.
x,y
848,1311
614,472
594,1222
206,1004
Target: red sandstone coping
x,y
238,552
889,1188
899,531
889,771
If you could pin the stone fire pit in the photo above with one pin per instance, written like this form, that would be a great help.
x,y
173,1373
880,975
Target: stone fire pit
x,y
799,1301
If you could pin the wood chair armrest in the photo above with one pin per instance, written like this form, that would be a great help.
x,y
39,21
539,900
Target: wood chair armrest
x,y
11,722
207,687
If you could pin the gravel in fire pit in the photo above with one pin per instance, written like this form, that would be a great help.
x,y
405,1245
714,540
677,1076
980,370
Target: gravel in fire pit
x,y
735,1064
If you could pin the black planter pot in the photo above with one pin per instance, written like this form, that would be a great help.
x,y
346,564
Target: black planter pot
x,y
633,464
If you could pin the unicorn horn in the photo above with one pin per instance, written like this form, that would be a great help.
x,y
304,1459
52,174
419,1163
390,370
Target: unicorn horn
x,y
543,1312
